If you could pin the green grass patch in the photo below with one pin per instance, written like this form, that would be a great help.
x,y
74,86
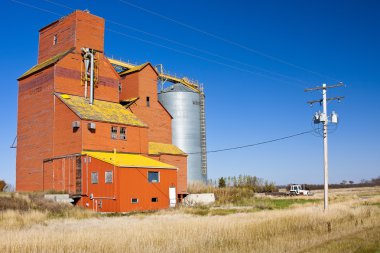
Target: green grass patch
x,y
268,203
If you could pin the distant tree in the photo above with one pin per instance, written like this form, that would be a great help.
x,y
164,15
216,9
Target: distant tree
x,y
363,181
351,182
222,182
344,182
2,185
376,181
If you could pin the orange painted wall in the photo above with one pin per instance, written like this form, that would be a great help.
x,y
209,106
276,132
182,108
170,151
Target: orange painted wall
x,y
181,163
127,183
134,184
34,129
61,175
136,142
78,29
66,139
143,84
107,193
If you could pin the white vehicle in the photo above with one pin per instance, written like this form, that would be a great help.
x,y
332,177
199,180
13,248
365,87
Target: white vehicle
x,y
296,189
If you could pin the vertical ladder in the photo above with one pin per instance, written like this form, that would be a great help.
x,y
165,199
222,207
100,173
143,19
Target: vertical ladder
x,y
203,134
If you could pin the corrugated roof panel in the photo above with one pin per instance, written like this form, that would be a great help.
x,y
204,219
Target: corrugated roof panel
x,y
100,111
156,148
128,160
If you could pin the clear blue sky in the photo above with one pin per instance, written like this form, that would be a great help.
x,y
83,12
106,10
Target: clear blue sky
x,y
252,94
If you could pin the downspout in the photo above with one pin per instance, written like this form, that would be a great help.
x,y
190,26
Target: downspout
x,y
88,53
92,78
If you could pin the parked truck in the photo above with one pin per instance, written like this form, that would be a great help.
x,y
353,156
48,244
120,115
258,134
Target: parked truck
x,y
297,189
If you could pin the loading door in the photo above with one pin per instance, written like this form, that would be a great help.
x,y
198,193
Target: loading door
x,y
172,197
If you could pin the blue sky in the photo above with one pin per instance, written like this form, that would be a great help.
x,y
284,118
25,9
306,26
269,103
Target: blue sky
x,y
260,57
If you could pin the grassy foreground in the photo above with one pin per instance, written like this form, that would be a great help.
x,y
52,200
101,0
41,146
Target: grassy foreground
x,y
352,224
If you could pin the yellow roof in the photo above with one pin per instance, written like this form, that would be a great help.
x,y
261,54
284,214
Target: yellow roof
x,y
100,110
45,64
135,69
156,148
128,160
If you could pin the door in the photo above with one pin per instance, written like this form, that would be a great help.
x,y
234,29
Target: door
x,y
172,197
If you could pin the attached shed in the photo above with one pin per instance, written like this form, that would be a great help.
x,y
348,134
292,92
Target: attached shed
x,y
119,182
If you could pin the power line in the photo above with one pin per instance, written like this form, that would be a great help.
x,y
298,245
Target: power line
x,y
37,8
187,46
175,50
202,58
254,144
228,41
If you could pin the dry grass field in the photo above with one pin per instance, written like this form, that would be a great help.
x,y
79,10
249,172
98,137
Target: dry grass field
x,y
262,224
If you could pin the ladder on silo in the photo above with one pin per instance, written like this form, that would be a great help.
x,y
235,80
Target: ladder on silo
x,y
203,133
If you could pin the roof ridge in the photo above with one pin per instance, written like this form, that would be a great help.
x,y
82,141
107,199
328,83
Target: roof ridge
x,y
46,63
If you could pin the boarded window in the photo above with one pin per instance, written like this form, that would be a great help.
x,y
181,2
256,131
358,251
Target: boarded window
x,y
153,177
55,39
94,177
113,132
123,133
154,199
134,200
108,177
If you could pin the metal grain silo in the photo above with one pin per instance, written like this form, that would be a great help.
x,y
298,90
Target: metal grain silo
x,y
186,105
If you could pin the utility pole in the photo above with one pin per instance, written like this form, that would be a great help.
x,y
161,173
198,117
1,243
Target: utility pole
x,y
321,117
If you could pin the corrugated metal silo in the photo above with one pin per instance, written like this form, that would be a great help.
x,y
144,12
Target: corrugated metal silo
x,y
188,126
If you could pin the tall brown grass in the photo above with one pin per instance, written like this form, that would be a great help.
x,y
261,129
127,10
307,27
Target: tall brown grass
x,y
25,210
297,229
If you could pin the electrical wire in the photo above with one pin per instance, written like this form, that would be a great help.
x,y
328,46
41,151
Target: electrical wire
x,y
37,8
177,50
228,41
186,46
218,150
203,58
254,144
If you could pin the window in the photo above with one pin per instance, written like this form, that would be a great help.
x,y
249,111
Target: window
x,y
155,199
153,177
113,132
94,177
108,177
123,133
55,39
134,200
147,102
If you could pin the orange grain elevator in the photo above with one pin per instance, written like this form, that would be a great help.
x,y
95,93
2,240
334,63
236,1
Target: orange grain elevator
x,y
85,129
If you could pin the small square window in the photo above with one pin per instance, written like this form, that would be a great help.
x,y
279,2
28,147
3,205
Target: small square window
x,y
94,178
55,39
113,132
147,102
153,177
108,177
155,199
134,200
123,133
